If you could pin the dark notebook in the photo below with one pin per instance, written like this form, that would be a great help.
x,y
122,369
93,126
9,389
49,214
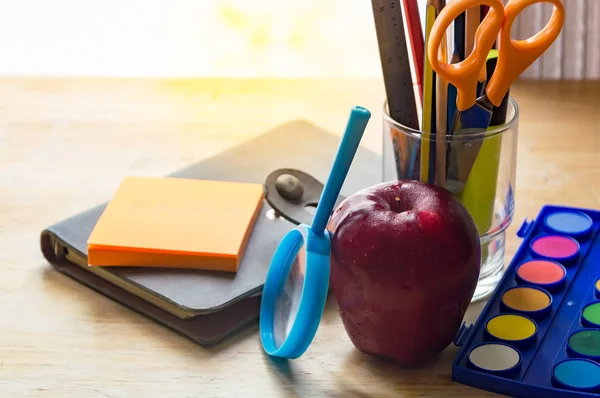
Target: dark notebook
x,y
208,306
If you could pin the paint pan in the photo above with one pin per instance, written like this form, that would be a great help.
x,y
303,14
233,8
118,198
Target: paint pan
x,y
584,343
519,331
497,358
544,314
577,374
590,316
546,274
531,301
563,249
572,223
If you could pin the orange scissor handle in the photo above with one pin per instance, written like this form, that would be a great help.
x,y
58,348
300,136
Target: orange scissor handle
x,y
515,56
465,74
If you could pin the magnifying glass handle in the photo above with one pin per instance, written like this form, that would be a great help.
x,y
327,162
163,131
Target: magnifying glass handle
x,y
359,117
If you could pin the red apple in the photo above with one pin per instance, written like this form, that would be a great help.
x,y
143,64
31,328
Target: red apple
x,y
405,260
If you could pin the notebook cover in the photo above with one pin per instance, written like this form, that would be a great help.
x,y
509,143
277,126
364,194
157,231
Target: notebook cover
x,y
221,302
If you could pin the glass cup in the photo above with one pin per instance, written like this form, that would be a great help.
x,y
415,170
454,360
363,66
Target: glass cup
x,y
478,167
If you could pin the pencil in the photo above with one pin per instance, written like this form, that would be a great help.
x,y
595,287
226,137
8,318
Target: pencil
x,y
441,114
472,21
413,20
429,129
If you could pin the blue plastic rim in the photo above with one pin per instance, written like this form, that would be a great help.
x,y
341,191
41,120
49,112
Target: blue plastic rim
x,y
534,315
502,351
573,223
297,282
566,260
281,264
577,374
301,329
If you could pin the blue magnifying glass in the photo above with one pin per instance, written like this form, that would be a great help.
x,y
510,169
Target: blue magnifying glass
x,y
297,282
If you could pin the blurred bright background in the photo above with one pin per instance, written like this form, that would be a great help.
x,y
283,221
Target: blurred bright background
x,y
314,38
249,38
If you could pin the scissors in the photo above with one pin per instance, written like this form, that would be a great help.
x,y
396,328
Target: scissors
x,y
473,115
514,56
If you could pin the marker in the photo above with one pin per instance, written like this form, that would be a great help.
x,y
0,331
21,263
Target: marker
x,y
498,112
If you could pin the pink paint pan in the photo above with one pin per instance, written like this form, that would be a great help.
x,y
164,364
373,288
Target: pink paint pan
x,y
560,248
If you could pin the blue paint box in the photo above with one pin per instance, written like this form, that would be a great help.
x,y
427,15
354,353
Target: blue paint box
x,y
539,334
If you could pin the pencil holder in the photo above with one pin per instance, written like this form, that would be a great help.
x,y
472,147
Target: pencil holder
x,y
478,167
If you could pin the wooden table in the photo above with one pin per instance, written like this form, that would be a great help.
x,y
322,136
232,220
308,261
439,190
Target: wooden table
x,y
65,144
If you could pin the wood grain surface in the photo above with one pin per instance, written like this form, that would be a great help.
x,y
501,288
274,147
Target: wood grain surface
x,y
65,144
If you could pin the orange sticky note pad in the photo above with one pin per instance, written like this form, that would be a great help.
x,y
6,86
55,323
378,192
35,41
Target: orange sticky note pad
x,y
176,223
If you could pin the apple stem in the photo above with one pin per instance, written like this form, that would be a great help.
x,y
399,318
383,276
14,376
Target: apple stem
x,y
398,204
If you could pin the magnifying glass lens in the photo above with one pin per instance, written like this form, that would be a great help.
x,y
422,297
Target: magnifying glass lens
x,y
295,290
288,299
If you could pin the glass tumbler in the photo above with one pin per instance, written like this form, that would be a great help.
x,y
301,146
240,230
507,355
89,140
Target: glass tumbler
x,y
478,167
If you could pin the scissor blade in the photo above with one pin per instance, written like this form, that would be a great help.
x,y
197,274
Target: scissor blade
x,y
463,150
476,117
463,154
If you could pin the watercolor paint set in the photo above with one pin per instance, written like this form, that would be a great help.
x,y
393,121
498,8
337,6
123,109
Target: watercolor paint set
x,y
539,334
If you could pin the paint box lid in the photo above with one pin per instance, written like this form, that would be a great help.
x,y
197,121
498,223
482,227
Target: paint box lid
x,y
537,335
